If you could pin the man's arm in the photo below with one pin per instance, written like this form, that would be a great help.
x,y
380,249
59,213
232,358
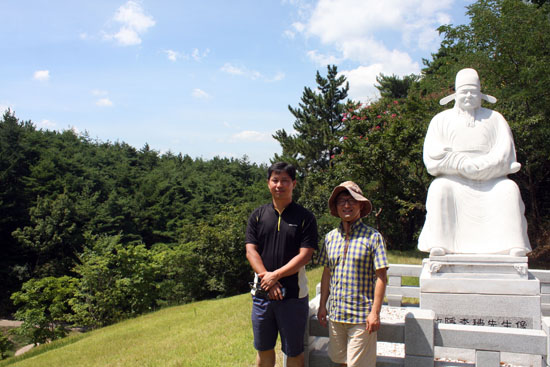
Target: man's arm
x,y
270,278
254,258
373,320
325,292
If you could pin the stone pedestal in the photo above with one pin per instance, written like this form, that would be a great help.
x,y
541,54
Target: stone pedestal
x,y
485,290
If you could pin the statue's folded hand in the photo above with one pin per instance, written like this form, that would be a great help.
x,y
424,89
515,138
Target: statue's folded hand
x,y
469,169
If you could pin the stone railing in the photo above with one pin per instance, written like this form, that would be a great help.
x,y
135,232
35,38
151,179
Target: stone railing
x,y
396,291
544,278
421,333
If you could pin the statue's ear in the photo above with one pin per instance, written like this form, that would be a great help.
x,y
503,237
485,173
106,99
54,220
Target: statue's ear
x,y
489,98
445,100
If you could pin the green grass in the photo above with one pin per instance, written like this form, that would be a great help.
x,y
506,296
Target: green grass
x,y
207,333
413,257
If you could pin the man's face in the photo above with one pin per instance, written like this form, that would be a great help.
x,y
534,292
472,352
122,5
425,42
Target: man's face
x,y
468,97
281,186
349,209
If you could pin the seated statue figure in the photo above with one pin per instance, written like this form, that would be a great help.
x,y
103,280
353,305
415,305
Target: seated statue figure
x,y
472,206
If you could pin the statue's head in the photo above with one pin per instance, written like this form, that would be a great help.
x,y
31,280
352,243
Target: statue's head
x,y
467,94
467,90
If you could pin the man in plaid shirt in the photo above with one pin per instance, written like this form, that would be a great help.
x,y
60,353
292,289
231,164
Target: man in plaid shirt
x,y
354,257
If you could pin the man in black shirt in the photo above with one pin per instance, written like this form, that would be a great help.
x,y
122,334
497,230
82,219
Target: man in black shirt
x,y
280,239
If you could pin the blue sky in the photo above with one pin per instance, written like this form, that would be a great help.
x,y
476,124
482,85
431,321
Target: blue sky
x,y
203,78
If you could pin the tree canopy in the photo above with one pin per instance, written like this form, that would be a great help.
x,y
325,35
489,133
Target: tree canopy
x,y
62,193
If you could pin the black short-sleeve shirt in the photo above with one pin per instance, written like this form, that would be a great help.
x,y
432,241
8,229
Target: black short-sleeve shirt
x,y
280,237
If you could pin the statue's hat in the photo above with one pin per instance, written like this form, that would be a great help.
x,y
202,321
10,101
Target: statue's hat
x,y
464,77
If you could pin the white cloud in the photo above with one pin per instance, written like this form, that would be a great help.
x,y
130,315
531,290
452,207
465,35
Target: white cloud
x,y
41,75
75,130
364,34
231,69
4,107
131,14
104,102
199,93
279,76
47,124
127,37
361,82
198,55
251,74
338,20
322,59
335,21
297,27
134,23
251,136
289,34
372,36
172,55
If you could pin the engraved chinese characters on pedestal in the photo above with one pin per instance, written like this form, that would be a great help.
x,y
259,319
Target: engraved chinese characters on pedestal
x,y
472,206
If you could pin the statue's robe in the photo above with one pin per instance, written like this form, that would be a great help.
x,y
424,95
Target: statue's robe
x,y
482,213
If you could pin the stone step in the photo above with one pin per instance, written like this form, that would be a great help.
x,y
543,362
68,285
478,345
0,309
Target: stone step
x,y
318,356
392,332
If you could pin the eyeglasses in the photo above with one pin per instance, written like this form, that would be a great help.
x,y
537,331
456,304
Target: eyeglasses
x,y
342,202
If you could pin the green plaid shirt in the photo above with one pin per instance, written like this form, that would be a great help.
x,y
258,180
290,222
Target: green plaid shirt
x,y
352,281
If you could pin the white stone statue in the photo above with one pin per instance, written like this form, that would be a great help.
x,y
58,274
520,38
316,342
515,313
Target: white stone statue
x,y
472,206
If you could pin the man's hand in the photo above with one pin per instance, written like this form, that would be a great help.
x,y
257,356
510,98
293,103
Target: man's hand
x,y
269,279
373,322
322,316
275,293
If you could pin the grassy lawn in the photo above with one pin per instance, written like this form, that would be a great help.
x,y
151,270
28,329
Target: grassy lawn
x,y
207,333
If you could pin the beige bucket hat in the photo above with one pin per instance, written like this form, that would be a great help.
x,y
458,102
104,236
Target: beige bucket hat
x,y
355,192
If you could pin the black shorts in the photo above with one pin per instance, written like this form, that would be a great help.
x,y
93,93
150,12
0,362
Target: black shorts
x,y
287,317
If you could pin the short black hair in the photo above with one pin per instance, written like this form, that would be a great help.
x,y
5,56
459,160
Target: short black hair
x,y
282,167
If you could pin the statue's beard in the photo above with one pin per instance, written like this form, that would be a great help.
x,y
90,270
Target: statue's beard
x,y
467,117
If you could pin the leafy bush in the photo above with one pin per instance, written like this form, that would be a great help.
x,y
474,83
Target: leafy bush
x,y
44,307
115,282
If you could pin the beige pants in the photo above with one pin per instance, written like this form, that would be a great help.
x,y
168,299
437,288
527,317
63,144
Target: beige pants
x,y
352,344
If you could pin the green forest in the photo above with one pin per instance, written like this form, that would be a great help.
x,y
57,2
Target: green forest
x,y
94,232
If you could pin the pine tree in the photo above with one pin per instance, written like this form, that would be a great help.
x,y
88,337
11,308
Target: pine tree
x,y
318,124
